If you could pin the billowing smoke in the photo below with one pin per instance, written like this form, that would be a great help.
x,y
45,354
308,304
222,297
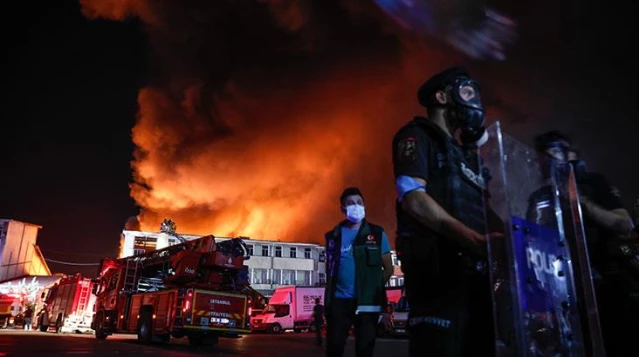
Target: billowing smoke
x,y
258,113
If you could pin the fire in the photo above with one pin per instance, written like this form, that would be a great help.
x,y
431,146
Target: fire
x,y
257,133
277,177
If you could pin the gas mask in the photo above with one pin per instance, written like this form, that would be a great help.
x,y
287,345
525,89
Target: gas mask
x,y
466,111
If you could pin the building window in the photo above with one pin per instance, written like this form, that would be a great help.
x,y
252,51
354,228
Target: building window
x,y
395,260
400,281
288,277
145,244
307,253
249,247
293,252
278,252
277,276
265,251
260,276
322,278
303,277
322,256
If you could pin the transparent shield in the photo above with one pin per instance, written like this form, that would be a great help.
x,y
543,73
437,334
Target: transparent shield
x,y
542,290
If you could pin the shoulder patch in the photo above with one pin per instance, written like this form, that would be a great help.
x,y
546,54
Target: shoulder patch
x,y
407,149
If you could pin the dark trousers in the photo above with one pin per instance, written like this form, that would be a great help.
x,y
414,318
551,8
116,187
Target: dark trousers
x,y
318,330
456,322
618,325
339,318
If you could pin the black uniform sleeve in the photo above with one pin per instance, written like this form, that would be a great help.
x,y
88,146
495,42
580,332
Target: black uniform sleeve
x,y
605,194
411,150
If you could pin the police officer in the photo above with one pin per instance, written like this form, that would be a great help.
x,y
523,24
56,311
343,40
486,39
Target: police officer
x,y
441,220
607,225
358,267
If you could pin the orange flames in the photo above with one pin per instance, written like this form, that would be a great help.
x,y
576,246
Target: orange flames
x,y
263,148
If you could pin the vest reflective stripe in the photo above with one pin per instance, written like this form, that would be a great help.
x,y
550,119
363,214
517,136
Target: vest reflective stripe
x,y
367,309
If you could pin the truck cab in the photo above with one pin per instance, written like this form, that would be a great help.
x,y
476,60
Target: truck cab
x,y
275,318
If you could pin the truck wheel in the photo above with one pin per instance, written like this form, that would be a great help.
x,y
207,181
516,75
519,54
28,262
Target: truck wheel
x,y
275,328
196,340
100,334
177,334
145,328
215,339
58,324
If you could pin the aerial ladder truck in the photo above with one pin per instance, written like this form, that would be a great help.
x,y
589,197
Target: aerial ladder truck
x,y
197,289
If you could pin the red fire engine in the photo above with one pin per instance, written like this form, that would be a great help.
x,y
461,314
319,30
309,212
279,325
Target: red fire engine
x,y
70,305
198,289
11,306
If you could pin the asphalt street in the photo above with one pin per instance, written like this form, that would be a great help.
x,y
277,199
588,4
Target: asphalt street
x,y
16,343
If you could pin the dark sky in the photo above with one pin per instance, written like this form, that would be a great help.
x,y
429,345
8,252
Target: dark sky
x,y
66,146
69,105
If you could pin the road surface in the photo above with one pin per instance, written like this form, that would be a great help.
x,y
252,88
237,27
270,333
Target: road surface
x,y
17,343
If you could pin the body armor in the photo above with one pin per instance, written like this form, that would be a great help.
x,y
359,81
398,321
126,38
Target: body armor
x,y
457,184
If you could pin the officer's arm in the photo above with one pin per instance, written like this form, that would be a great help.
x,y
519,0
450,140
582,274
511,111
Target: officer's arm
x,y
617,220
427,211
606,207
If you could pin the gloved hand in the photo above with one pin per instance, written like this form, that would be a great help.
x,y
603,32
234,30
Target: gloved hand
x,y
387,320
488,40
466,25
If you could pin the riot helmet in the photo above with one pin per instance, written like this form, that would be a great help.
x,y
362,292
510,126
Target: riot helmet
x,y
553,148
464,108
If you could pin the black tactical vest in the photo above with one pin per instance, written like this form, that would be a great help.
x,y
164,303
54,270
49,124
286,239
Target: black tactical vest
x,y
456,183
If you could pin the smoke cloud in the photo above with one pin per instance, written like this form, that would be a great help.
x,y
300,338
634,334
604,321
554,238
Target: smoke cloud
x,y
258,113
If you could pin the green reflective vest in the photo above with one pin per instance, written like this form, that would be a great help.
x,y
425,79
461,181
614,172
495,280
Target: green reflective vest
x,y
370,293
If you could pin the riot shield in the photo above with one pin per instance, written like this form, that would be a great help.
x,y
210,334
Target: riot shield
x,y
543,298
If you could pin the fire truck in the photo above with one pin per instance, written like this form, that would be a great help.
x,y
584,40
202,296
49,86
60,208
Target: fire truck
x,y
11,306
196,289
70,305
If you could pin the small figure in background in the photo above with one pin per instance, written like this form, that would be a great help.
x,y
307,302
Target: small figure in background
x,y
318,320
28,319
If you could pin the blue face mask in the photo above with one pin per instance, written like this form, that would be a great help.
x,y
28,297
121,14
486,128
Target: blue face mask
x,y
355,213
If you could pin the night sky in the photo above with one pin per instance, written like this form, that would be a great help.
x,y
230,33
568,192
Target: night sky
x,y
70,103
